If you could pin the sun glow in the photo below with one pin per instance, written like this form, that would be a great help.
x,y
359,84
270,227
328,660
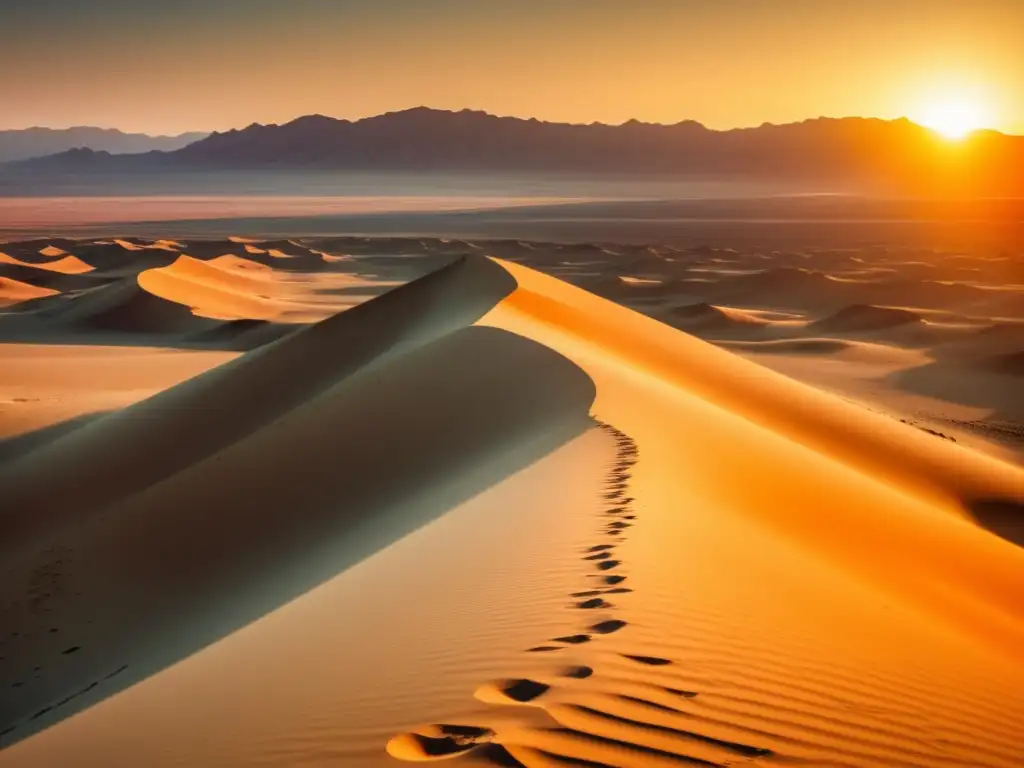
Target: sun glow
x,y
955,118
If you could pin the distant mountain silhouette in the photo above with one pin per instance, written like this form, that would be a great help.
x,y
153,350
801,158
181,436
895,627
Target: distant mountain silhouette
x,y
36,142
897,155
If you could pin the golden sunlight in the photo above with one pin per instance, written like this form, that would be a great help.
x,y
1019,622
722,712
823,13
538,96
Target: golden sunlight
x,y
955,118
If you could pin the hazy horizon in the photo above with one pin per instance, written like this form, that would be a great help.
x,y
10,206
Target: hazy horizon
x,y
201,130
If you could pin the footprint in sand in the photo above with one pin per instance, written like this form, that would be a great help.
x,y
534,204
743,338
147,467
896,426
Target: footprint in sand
x,y
579,672
438,742
653,661
607,627
572,639
595,602
518,691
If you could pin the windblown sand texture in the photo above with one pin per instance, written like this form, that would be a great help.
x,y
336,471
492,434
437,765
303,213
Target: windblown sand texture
x,y
356,502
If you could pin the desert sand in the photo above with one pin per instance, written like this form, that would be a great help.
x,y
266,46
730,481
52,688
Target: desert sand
x,y
354,501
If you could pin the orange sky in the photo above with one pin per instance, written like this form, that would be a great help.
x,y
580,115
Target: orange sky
x,y
189,65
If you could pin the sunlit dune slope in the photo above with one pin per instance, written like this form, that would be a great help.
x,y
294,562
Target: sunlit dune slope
x,y
921,490
212,291
13,291
241,264
66,265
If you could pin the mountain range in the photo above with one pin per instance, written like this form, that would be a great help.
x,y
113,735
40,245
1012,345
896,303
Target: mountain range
x,y
897,155
34,142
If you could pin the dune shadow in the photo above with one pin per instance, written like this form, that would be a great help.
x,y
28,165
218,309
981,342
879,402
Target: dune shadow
x,y
202,415
12,448
212,548
1003,518
972,387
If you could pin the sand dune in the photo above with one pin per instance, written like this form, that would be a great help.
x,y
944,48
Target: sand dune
x,y
807,289
808,346
237,263
491,517
39,250
134,287
721,319
291,371
865,317
998,338
66,265
14,292
211,291
125,306
44,278
122,258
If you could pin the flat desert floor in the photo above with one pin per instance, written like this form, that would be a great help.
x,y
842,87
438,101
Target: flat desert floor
x,y
356,501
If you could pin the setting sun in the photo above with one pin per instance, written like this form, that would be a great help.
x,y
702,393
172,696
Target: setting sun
x,y
955,118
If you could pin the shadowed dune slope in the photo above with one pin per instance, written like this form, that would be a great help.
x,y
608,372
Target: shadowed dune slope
x,y
121,258
101,462
990,342
813,346
1011,364
221,538
125,306
32,274
244,335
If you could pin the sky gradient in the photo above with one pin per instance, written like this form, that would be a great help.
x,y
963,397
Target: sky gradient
x,y
168,67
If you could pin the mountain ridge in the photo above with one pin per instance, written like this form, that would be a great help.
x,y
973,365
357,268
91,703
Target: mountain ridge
x,y
36,141
897,154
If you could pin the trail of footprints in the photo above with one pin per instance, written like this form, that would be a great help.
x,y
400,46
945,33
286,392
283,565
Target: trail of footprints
x,y
573,732
46,583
